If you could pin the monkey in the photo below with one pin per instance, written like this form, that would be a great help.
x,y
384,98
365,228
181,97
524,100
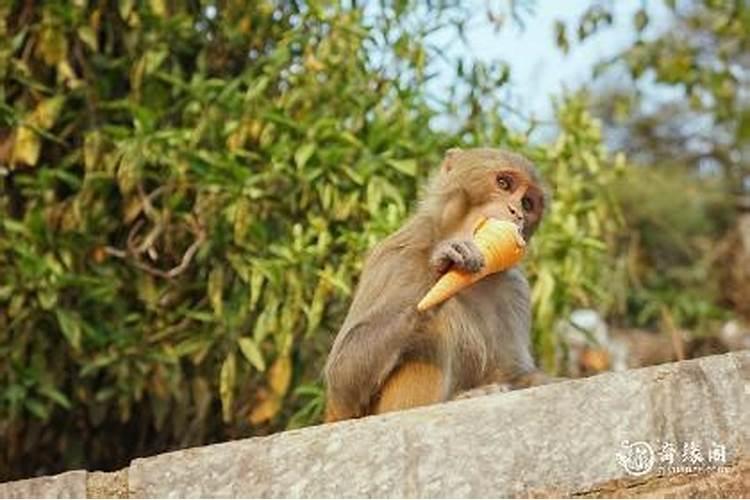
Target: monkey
x,y
388,356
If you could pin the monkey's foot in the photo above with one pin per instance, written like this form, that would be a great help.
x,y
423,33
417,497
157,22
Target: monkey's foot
x,y
534,378
483,390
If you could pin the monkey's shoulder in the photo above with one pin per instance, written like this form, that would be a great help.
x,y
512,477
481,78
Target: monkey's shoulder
x,y
397,262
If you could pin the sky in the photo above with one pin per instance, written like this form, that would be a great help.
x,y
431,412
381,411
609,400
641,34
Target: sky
x,y
538,68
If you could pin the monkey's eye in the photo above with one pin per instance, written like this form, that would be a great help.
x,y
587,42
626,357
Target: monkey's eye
x,y
527,204
504,182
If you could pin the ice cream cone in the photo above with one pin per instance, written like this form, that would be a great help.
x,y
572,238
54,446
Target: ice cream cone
x,y
501,245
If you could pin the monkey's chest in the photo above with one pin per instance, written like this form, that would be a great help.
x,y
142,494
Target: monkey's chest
x,y
469,330
483,327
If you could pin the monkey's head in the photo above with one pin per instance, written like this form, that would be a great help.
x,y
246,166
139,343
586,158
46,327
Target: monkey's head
x,y
486,182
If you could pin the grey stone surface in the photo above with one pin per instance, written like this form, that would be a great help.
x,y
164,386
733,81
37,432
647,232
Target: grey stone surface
x,y
557,439
66,485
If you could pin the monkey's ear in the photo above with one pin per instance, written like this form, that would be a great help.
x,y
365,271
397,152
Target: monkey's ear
x,y
450,155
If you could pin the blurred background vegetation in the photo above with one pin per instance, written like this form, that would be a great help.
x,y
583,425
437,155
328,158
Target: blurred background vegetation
x,y
187,190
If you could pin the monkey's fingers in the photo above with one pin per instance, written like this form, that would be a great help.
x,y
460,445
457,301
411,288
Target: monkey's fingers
x,y
457,254
501,246
471,259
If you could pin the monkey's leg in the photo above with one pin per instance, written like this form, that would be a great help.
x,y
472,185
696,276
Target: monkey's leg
x,y
334,412
414,383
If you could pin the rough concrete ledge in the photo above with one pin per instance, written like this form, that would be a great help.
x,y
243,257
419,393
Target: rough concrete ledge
x,y
609,435
70,484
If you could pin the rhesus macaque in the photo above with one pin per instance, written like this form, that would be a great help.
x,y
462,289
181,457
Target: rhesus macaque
x,y
387,355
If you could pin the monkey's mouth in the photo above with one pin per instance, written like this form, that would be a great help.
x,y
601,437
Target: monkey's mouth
x,y
517,223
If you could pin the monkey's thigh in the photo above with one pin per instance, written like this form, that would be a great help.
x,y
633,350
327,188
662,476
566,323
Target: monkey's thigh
x,y
414,383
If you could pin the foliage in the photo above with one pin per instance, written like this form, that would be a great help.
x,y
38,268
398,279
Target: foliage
x,y
668,247
676,102
686,101
187,194
572,267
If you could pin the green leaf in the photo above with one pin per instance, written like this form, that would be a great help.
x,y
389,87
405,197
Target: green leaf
x,y
215,290
28,143
252,353
15,227
125,7
70,324
47,298
129,171
280,375
303,154
256,286
257,88
88,36
100,361
408,167
227,381
56,396
52,44
640,20
36,408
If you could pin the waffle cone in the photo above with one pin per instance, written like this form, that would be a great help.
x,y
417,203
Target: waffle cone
x,y
501,245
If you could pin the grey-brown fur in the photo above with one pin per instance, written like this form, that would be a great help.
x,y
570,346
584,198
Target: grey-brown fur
x,y
478,337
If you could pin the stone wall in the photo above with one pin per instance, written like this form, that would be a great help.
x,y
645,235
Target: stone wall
x,y
680,430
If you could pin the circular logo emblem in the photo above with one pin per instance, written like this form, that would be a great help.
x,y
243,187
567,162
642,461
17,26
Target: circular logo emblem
x,y
636,458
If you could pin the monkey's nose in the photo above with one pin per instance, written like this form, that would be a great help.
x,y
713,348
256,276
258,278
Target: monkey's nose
x,y
515,213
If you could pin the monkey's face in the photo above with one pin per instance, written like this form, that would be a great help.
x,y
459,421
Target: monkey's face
x,y
501,185
517,199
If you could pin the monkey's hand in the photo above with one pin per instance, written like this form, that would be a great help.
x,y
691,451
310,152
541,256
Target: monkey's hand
x,y
457,254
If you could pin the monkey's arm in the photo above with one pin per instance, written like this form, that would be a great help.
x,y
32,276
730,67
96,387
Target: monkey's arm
x,y
382,325
361,362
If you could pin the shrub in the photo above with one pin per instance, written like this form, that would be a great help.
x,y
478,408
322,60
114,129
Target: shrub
x,y
189,190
